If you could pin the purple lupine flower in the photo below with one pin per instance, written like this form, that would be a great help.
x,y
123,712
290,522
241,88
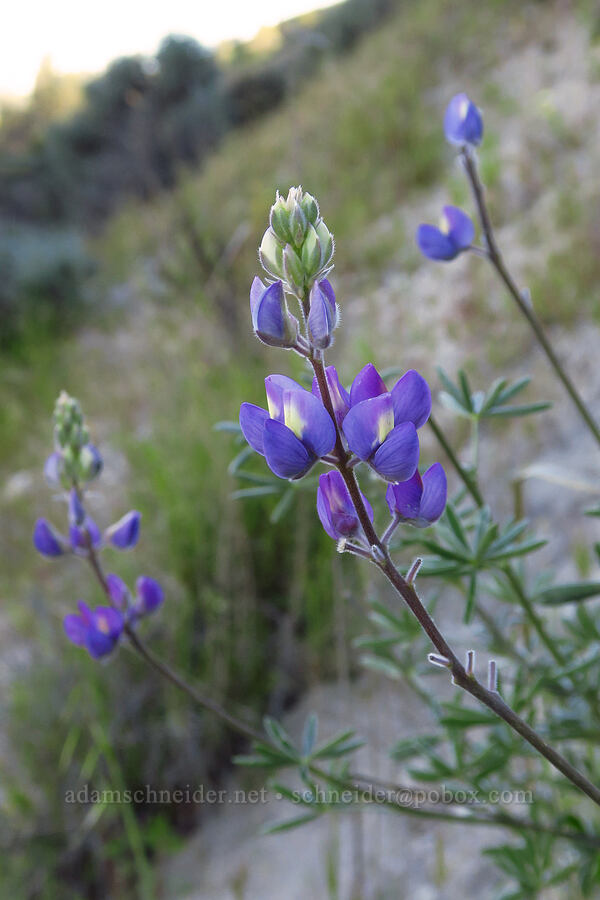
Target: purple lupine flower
x,y
295,432
420,501
334,506
124,534
340,397
47,540
149,596
82,535
118,592
97,630
323,314
272,322
462,122
381,426
454,236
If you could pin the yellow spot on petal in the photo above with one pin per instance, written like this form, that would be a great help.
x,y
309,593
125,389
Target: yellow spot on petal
x,y
102,624
444,224
463,108
385,425
292,417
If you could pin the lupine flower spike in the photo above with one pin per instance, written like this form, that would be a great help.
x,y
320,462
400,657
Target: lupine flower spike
x,y
74,462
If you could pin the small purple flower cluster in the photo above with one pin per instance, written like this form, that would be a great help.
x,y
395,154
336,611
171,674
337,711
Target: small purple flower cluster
x,y
74,463
366,423
463,127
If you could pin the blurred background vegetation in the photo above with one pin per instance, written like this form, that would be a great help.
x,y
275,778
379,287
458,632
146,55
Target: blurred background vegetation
x,y
131,208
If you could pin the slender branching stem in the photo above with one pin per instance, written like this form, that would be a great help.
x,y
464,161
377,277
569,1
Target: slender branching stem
x,y
407,800
489,698
202,700
549,644
521,299
386,794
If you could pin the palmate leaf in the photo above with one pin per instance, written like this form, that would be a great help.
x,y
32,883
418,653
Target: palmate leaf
x,y
460,399
467,549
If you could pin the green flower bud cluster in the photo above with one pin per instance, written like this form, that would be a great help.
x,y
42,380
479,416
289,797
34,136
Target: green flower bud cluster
x,y
69,426
77,459
297,247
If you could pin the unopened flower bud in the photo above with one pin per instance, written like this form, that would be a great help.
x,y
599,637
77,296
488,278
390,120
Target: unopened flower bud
x,y
326,243
90,462
310,208
279,220
311,252
297,225
271,254
293,270
69,429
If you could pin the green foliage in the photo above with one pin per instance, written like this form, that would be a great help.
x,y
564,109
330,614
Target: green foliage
x,y
460,399
44,285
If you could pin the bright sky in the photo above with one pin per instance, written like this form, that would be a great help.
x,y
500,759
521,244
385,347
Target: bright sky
x,y
80,36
